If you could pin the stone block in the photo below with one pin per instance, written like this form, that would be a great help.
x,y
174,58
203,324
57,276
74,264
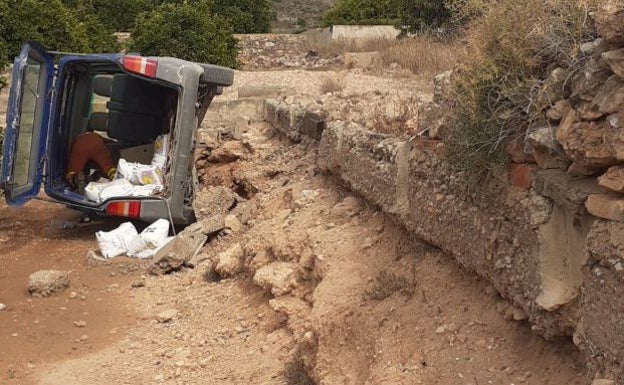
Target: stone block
x,y
606,206
613,179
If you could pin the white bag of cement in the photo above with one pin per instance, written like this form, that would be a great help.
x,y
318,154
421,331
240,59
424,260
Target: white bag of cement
x,y
128,171
94,189
152,238
145,191
161,147
150,175
116,188
117,241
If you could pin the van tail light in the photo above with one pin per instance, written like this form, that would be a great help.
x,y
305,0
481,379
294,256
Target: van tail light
x,y
140,65
130,209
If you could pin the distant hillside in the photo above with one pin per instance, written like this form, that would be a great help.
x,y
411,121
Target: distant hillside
x,y
289,12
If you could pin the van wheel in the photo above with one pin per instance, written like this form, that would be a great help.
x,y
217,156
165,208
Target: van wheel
x,y
217,75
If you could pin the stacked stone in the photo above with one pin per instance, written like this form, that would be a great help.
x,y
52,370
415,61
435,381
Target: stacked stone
x,y
585,135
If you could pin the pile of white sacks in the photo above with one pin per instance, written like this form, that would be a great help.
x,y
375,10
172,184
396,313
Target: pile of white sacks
x,y
133,179
126,240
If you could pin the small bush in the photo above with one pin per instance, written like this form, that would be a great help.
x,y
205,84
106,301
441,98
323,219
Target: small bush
x,y
188,31
331,84
295,373
511,47
387,283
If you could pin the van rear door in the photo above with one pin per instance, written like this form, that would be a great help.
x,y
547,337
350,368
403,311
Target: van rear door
x,y
28,114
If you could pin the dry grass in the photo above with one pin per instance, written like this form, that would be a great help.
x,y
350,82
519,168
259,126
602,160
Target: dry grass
x,y
333,48
510,48
422,55
331,84
295,373
387,283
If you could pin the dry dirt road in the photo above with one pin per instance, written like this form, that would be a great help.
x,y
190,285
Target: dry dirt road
x,y
328,291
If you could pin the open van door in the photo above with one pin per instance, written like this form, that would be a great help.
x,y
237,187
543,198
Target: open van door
x,y
28,113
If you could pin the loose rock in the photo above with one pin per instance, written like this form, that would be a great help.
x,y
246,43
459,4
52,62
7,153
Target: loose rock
x,y
80,324
278,277
47,282
230,262
166,315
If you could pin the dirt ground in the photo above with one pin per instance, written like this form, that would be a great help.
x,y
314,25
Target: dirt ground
x,y
361,302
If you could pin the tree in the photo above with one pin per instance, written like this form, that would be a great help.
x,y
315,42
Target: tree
x,y
416,15
361,12
45,21
114,15
246,16
186,30
100,36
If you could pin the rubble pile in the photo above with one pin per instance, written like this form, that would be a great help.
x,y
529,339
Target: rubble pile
x,y
274,51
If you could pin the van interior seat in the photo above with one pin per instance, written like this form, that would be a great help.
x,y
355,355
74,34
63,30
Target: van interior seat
x,y
102,85
136,110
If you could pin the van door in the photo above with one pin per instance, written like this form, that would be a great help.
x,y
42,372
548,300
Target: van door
x,y
28,113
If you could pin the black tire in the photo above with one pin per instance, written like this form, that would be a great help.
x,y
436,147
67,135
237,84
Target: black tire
x,y
219,76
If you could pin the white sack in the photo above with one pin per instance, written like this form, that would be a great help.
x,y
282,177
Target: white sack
x,y
116,242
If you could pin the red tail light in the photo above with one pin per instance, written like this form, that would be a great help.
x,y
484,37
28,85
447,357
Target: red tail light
x,y
130,209
140,65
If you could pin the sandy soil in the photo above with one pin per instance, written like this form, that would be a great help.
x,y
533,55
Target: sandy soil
x,y
362,303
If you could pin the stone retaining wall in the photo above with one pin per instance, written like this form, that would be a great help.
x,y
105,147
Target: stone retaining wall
x,y
558,266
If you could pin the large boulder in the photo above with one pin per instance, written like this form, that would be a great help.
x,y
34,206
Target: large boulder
x,y
47,282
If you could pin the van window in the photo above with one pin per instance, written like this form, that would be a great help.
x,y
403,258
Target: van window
x,y
28,112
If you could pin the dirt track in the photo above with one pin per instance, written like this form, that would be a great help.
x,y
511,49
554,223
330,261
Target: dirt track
x,y
337,321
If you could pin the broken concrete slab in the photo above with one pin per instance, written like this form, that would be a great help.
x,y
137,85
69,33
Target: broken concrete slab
x,y
209,225
177,252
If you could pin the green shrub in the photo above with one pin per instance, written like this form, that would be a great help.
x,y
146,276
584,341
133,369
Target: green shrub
x,y
353,12
511,47
188,31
